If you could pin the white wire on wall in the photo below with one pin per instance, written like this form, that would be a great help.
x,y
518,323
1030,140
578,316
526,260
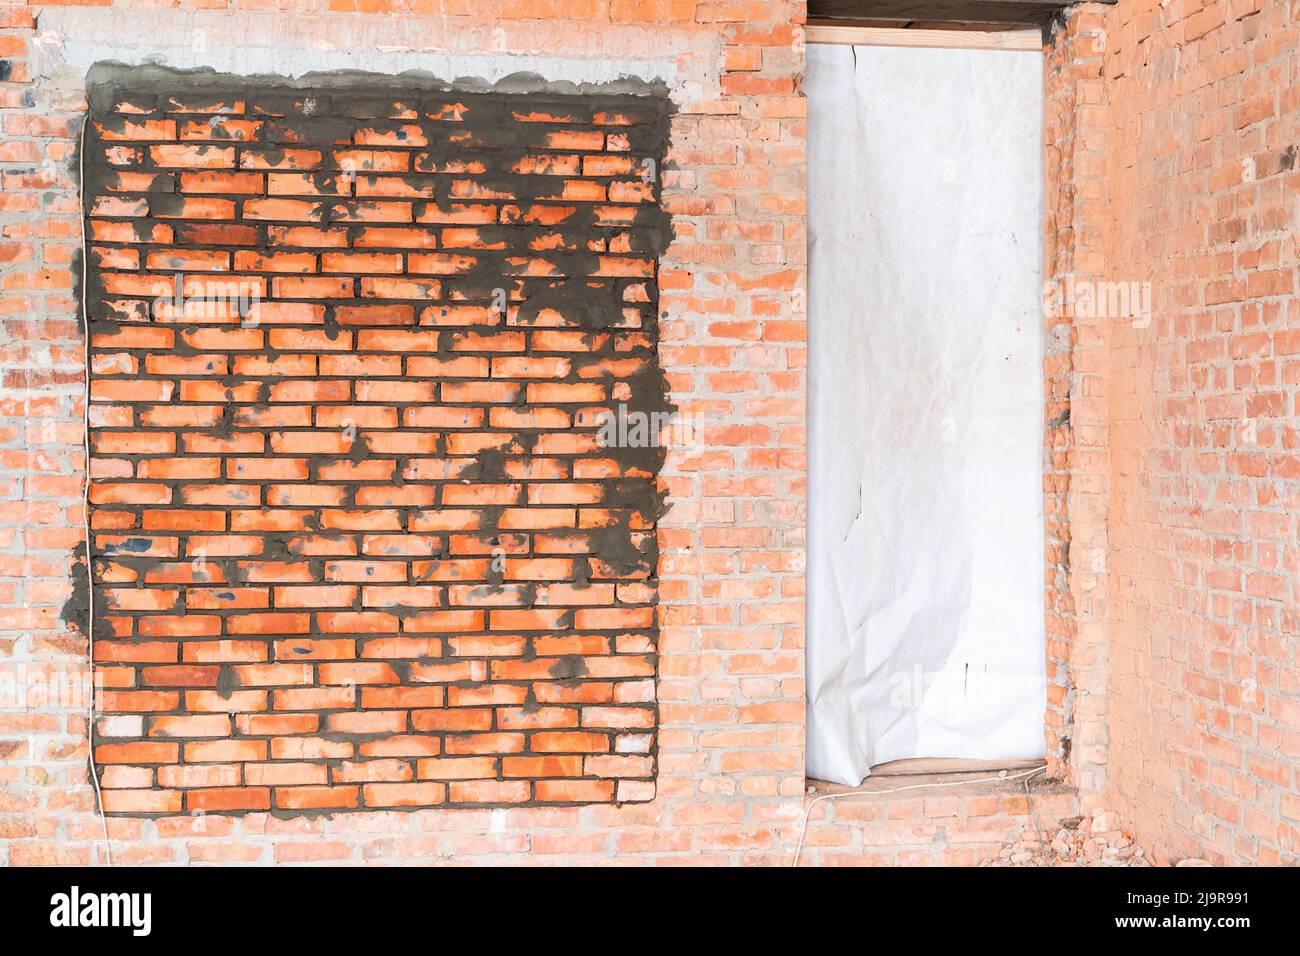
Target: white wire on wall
x,y
85,497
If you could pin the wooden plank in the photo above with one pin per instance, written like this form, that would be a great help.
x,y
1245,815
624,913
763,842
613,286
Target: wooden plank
x,y
821,31
914,766
926,772
924,25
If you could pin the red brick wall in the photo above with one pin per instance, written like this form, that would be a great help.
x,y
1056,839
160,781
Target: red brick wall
x,y
729,785
1140,147
1075,463
358,540
1204,682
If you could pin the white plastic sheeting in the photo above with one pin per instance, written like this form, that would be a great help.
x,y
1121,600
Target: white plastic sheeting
x,y
926,590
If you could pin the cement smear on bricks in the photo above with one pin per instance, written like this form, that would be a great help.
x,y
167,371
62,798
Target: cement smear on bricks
x,y
356,544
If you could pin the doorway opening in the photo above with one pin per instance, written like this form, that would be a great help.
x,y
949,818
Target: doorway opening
x,y
926,539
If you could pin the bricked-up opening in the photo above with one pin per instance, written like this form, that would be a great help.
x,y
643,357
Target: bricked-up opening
x,y
357,541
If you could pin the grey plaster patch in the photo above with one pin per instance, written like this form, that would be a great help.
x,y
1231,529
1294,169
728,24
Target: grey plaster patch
x,y
470,57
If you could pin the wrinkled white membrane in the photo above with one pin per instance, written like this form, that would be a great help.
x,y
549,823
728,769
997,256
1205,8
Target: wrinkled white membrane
x,y
925,578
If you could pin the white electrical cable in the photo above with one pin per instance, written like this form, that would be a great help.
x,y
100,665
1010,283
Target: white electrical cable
x,y
1029,803
803,830
85,498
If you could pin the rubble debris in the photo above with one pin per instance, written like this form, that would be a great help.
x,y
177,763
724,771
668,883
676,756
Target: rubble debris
x,y
1085,841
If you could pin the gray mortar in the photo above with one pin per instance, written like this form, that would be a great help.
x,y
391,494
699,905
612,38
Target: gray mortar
x,y
598,302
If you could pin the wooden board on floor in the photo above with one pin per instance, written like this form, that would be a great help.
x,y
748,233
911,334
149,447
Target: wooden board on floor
x,y
927,770
929,765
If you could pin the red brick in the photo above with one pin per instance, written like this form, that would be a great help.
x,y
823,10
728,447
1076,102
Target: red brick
x,y
331,486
